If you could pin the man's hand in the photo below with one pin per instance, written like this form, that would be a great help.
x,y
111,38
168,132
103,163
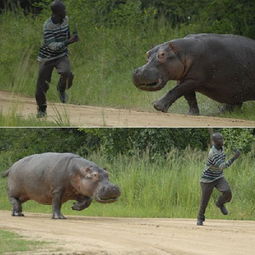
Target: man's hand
x,y
74,38
237,154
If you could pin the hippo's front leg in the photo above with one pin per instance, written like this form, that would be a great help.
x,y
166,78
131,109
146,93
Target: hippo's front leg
x,y
82,203
181,89
56,205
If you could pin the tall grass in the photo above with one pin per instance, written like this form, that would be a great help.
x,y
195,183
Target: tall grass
x,y
11,119
163,188
103,62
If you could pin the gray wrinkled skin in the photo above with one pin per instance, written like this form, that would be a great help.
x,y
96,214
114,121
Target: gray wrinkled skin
x,y
218,66
54,178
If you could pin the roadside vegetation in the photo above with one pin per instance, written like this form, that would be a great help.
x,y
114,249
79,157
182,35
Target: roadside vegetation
x,y
11,242
114,36
158,174
13,120
162,188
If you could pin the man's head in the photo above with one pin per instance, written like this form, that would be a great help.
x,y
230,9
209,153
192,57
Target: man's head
x,y
217,139
58,9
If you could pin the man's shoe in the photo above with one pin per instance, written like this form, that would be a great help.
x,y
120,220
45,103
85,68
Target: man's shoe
x,y
41,114
200,221
63,96
223,209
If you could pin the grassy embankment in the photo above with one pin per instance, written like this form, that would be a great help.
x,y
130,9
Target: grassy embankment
x,y
11,242
13,120
166,188
103,62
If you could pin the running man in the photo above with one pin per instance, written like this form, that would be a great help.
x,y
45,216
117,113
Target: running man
x,y
213,177
54,54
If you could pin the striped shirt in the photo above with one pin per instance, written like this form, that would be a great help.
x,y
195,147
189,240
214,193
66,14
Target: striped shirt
x,y
55,37
215,164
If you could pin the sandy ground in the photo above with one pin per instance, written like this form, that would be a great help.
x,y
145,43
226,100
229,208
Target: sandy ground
x,y
91,116
126,236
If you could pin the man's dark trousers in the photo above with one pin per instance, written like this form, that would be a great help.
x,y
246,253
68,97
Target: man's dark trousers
x,y
207,189
63,67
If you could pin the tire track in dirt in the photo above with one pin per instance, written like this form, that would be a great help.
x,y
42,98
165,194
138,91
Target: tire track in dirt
x,y
125,236
94,116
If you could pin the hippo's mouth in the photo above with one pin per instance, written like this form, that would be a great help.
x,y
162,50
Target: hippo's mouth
x,y
106,200
152,86
107,194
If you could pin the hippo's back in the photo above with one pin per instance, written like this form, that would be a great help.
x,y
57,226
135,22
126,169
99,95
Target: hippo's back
x,y
236,47
47,165
35,176
227,39
224,64
36,162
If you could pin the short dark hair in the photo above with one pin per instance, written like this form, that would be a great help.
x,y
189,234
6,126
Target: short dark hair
x,y
55,5
214,135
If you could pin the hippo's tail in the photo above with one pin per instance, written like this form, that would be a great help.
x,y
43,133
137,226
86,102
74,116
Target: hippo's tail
x,y
5,173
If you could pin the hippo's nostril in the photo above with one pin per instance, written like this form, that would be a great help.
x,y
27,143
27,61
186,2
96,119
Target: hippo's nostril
x,y
114,191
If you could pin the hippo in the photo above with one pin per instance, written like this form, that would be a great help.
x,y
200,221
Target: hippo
x,y
54,178
220,66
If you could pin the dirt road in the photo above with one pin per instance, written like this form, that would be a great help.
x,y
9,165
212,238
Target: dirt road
x,y
91,116
100,235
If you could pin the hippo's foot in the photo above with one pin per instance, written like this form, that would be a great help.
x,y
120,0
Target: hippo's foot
x,y
193,111
230,107
17,214
78,207
81,205
56,216
159,106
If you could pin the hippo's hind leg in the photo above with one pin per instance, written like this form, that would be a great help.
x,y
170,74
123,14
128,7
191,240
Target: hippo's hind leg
x,y
230,107
56,205
16,206
82,203
192,101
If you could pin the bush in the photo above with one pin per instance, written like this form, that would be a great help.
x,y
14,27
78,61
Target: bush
x,y
239,138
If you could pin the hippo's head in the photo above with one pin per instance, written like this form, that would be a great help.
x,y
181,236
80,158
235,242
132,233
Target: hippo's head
x,y
163,64
94,182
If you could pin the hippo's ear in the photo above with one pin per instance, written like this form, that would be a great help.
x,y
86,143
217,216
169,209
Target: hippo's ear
x,y
174,47
85,171
106,170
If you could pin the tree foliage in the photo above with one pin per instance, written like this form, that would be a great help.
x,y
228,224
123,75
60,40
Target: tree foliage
x,y
157,143
237,138
217,16
230,16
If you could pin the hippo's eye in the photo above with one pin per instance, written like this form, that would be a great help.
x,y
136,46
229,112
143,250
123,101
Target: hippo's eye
x,y
161,55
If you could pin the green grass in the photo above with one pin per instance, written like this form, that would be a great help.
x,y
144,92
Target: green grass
x,y
163,188
11,242
13,120
103,62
